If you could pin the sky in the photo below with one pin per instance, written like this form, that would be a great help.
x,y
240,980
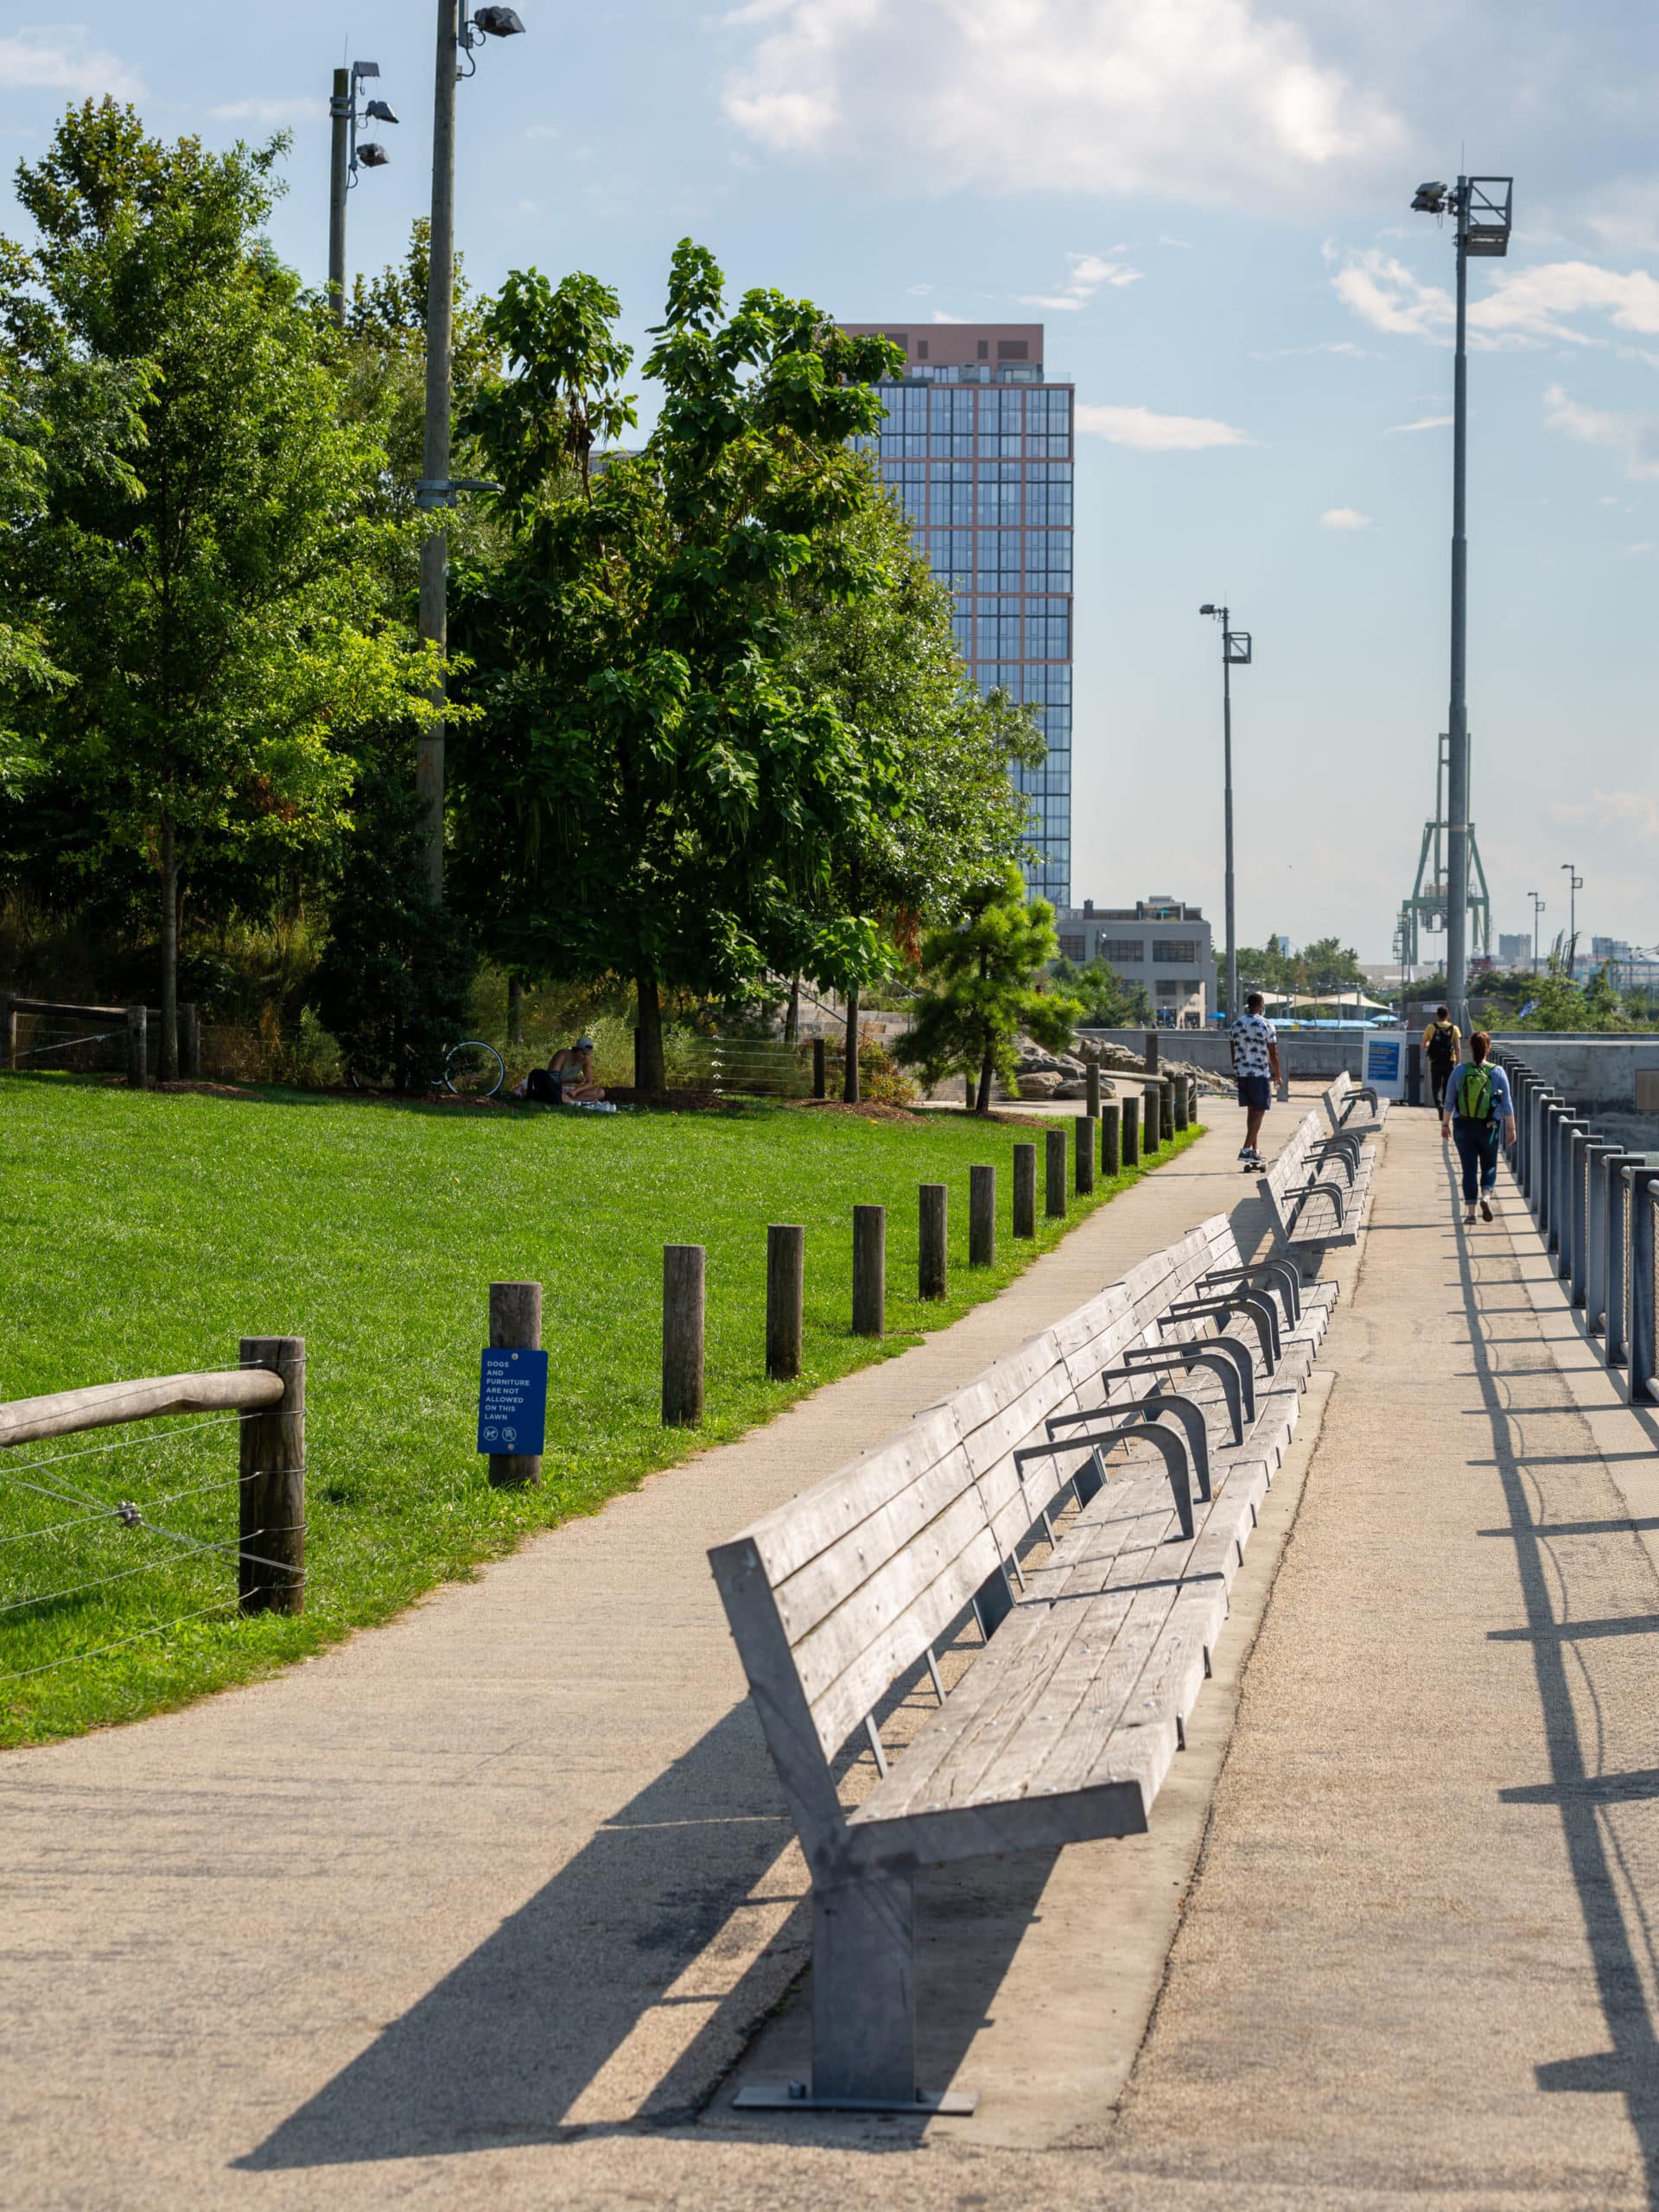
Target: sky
x,y
1207,204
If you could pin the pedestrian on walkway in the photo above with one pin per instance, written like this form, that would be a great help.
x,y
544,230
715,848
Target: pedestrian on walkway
x,y
1475,1105
1256,1066
1442,1050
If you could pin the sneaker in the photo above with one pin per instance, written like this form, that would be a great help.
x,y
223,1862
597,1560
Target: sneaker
x,y
1245,1155
1469,1218
1485,1209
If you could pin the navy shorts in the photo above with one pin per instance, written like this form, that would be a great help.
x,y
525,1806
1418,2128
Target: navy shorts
x,y
1256,1092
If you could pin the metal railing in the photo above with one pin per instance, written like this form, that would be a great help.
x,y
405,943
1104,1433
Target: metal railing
x,y
1596,1202
751,1067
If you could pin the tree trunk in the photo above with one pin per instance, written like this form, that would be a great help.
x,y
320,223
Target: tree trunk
x,y
987,1070
169,1066
793,1013
849,1078
649,1049
515,1010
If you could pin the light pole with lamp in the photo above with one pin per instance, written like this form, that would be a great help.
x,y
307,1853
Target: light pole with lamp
x,y
459,33
1235,654
1574,884
346,156
1538,906
1480,206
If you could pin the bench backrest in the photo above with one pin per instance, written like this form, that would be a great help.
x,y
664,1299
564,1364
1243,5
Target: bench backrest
x,y
847,1586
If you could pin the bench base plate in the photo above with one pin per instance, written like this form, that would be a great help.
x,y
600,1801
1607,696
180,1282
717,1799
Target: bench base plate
x,y
795,2096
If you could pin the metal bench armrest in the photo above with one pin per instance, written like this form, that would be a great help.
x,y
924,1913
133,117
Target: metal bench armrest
x,y
1289,1282
1177,1456
1255,1303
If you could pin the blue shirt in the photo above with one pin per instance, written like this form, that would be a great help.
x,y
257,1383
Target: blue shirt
x,y
1503,1103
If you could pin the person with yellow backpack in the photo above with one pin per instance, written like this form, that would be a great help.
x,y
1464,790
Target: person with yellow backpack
x,y
1477,1104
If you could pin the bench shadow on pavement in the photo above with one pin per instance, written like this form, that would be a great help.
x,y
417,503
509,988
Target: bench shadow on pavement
x,y
500,2050
1630,2068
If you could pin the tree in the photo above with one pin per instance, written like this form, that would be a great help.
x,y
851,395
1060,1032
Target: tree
x,y
213,585
648,794
1107,1002
1330,966
946,819
985,985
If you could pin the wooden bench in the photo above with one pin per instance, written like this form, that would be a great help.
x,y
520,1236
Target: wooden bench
x,y
1354,1106
1318,1188
1070,1523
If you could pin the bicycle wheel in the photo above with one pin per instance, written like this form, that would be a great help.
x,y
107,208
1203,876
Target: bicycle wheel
x,y
473,1070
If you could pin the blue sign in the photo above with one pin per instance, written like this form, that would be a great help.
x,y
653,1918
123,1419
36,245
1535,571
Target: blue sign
x,y
511,1402
1382,1059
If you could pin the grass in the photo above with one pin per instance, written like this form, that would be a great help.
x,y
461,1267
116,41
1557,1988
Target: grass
x,y
145,1233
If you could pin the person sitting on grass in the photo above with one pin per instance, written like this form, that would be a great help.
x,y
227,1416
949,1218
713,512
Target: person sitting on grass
x,y
568,1078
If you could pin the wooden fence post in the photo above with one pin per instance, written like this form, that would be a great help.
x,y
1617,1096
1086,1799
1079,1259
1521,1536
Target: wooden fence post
x,y
515,1325
1084,1156
982,1217
1151,1135
931,1267
682,1335
189,1041
820,1073
1054,1175
270,1562
137,1047
1181,1105
786,1299
1131,1129
1149,1065
1167,1108
1025,1190
1111,1140
869,1271
1091,1089
8,1030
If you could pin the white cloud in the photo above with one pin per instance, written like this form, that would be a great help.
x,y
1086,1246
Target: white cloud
x,y
1383,292
1634,436
1643,545
1151,433
278,113
1089,272
1523,307
1200,100
1423,423
1636,814
64,60
543,130
1344,346
1344,519
943,315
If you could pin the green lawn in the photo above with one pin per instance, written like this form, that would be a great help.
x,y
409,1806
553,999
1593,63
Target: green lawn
x,y
143,1234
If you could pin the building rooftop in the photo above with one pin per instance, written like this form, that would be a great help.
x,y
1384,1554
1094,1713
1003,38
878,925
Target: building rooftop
x,y
980,353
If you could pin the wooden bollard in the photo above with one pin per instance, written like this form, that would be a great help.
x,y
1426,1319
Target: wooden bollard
x,y
682,1335
820,1077
270,1563
1054,1175
786,1299
1131,1129
1167,1108
1182,1105
869,1271
1192,1100
930,1265
1111,1141
982,1217
1083,1154
189,1039
515,1325
1025,1190
1151,1098
137,1047
1091,1089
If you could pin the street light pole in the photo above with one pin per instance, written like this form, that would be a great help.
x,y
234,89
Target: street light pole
x,y
1234,652
340,176
435,458
1538,904
1574,884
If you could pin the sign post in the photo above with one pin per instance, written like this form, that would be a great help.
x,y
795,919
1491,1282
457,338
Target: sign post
x,y
513,1385
1383,1062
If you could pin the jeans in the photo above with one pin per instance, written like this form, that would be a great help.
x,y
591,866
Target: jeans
x,y
1477,1143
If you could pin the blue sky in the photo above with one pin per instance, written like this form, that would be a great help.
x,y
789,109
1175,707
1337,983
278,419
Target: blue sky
x,y
1209,198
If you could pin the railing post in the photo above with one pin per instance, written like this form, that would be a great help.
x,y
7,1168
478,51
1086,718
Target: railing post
x,y
1588,1292
869,1271
786,1299
137,1047
820,1075
1083,1165
1025,1190
683,1284
1054,1175
1618,1215
931,1262
1562,1220
982,1217
1643,1353
270,1562
1131,1128
515,1325
1577,1258
1111,1140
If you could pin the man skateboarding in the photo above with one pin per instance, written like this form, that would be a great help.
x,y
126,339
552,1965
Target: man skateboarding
x,y
1255,1067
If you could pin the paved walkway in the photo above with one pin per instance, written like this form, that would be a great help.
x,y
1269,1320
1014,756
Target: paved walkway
x,y
477,1909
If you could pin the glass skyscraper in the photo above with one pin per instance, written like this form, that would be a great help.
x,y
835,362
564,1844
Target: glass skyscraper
x,y
978,445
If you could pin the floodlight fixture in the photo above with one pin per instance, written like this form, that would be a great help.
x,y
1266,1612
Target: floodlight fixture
x,y
366,69
1429,200
380,111
498,22
371,155
1206,608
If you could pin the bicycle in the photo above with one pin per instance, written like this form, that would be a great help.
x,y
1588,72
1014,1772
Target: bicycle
x,y
471,1069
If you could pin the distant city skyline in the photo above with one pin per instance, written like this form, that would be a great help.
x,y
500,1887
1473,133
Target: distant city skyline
x,y
1215,231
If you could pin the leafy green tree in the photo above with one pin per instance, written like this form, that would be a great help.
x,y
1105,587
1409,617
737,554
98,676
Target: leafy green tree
x,y
1559,1003
648,794
985,985
1107,1000
1330,966
946,819
213,585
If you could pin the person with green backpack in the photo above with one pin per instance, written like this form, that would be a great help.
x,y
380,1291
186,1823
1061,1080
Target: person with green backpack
x,y
1476,1105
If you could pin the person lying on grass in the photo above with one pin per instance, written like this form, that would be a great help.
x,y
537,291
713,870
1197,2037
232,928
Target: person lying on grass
x,y
568,1078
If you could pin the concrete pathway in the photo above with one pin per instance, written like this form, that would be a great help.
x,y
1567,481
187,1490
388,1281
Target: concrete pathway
x,y
512,1868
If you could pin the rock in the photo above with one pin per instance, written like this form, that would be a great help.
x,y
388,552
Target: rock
x,y
1039,1083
